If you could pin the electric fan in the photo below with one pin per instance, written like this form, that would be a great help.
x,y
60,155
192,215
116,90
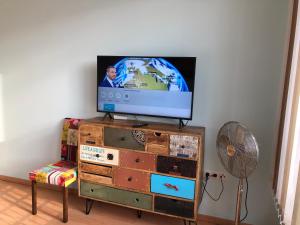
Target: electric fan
x,y
238,152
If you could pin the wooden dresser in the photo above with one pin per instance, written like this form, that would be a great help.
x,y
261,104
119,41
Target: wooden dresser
x,y
156,168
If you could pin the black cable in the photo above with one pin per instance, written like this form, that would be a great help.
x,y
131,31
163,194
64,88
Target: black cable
x,y
213,198
246,199
203,191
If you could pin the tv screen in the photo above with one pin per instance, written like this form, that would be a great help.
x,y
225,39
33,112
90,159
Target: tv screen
x,y
140,85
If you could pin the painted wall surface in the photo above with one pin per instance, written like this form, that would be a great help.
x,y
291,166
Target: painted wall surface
x,y
48,55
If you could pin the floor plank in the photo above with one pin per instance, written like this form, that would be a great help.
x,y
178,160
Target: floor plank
x,y
15,209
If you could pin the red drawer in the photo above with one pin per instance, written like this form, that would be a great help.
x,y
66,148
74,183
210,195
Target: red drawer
x,y
132,179
138,160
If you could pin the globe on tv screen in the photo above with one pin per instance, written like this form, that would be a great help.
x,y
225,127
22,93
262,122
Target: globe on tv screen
x,y
155,86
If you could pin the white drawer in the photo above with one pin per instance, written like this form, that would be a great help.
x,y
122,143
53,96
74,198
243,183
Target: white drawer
x,y
184,146
99,155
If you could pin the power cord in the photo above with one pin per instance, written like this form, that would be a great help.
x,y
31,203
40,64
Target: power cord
x,y
209,195
213,198
246,199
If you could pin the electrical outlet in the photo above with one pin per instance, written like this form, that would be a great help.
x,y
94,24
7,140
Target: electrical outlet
x,y
214,174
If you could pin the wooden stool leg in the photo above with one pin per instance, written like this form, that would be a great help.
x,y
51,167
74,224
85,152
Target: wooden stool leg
x,y
65,204
33,192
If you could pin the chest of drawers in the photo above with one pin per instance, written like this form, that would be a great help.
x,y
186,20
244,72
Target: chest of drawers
x,y
156,168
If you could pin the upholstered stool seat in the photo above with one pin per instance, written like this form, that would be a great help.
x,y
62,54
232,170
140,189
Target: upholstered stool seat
x,y
62,173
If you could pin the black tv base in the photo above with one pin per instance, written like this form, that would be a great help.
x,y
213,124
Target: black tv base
x,y
109,115
181,124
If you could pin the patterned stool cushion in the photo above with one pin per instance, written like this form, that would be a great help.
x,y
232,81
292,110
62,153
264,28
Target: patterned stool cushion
x,y
62,173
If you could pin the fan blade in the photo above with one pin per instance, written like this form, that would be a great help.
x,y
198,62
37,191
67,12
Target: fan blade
x,y
240,135
223,140
231,164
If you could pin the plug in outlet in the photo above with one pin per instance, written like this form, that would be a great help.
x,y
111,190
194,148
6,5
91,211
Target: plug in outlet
x,y
213,174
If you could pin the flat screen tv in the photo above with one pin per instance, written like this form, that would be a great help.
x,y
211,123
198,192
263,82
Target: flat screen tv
x,y
142,85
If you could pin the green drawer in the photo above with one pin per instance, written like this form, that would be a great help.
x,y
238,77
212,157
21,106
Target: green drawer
x,y
119,196
124,138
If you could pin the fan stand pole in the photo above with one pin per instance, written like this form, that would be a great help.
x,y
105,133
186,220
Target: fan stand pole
x,y
238,203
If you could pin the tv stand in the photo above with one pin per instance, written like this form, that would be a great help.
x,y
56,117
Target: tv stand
x,y
155,168
181,124
109,115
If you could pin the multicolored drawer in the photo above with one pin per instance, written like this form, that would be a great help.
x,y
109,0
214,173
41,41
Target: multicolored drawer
x,y
124,138
173,186
138,160
184,146
176,166
99,155
105,193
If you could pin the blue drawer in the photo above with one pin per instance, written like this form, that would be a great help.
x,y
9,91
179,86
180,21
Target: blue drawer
x,y
173,186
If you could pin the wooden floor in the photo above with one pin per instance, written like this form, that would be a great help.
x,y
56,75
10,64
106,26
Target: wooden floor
x,y
15,208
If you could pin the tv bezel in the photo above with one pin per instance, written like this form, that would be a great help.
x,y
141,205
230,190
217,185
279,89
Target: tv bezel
x,y
139,114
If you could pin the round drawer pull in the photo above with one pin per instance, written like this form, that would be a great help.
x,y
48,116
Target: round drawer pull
x,y
182,146
92,190
137,200
129,179
122,138
137,160
97,155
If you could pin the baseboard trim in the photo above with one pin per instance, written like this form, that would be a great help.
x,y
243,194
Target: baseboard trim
x,y
216,220
201,218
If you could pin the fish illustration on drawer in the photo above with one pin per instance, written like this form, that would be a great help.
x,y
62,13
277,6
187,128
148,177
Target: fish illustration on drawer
x,y
99,155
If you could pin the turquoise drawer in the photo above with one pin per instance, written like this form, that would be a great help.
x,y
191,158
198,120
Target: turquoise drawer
x,y
173,186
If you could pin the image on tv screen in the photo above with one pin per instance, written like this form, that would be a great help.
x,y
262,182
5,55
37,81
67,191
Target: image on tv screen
x,y
159,86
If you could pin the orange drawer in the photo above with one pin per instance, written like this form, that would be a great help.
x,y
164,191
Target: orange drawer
x,y
90,135
158,138
158,143
132,179
137,160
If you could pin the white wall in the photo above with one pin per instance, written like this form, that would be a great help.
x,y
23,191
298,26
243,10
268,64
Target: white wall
x,y
48,71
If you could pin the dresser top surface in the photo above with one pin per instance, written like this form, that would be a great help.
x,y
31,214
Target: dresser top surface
x,y
152,126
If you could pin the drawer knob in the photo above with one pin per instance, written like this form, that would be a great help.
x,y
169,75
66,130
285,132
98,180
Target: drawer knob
x,y
122,138
110,156
170,186
97,155
92,190
175,167
182,146
129,179
137,200
137,160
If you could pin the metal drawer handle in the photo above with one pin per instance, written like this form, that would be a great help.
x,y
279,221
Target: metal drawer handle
x,y
129,179
170,186
90,142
